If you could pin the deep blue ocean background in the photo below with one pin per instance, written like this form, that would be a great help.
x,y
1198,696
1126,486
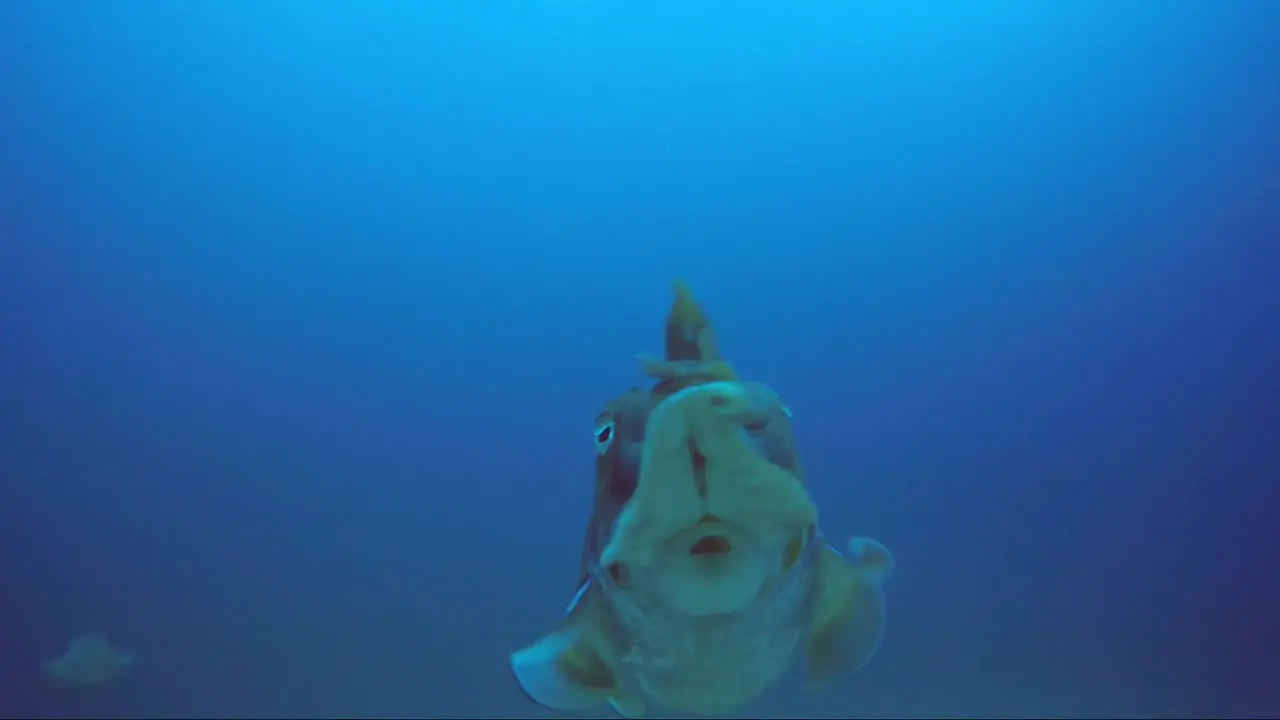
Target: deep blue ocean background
x,y
307,309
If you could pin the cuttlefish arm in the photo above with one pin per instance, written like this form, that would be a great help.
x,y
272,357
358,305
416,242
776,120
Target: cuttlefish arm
x,y
848,621
566,670
570,669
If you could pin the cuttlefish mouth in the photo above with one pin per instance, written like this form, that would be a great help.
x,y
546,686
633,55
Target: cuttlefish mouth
x,y
712,545
712,519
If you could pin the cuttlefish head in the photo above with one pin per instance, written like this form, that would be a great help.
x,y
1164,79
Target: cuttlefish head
x,y
715,503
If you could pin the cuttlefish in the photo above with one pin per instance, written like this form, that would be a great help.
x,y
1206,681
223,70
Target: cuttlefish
x,y
89,660
704,575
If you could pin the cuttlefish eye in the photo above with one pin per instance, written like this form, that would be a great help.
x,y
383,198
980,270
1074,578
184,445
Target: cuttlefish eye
x,y
604,437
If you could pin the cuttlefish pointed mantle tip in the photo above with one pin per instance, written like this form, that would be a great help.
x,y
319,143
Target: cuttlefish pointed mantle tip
x,y
691,355
688,332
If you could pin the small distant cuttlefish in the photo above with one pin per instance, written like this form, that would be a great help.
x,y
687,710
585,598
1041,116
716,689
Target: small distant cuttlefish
x,y
704,574
89,660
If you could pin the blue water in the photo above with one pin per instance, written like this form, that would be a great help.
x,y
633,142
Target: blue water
x,y
307,308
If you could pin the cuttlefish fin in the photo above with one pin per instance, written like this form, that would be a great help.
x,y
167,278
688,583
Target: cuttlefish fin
x,y
565,671
848,620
